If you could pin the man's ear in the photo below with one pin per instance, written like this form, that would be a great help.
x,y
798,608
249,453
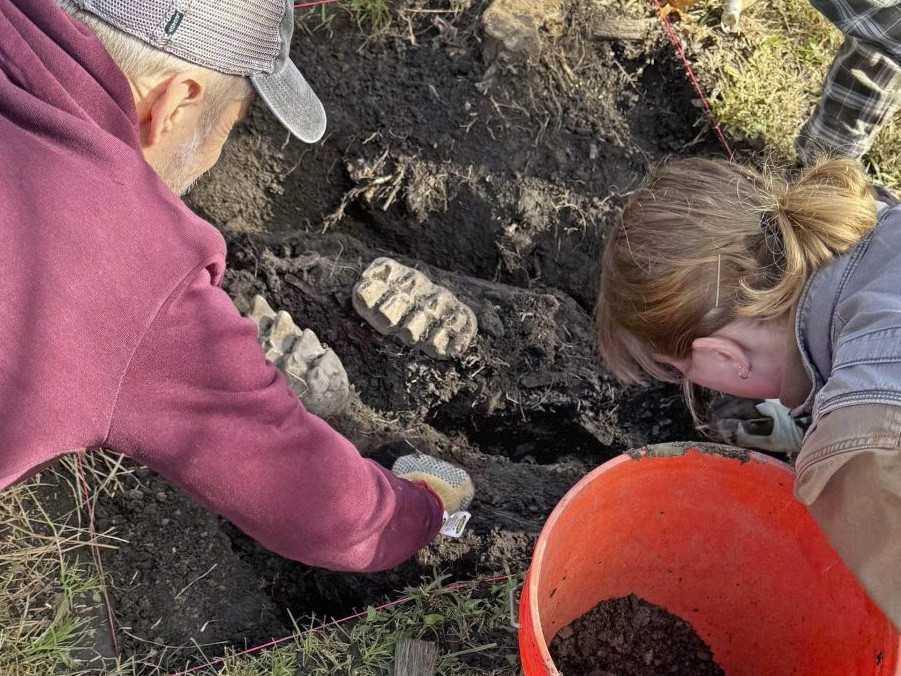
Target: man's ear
x,y
722,353
171,103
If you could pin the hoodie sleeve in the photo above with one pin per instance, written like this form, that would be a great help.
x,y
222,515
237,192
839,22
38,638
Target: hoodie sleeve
x,y
200,404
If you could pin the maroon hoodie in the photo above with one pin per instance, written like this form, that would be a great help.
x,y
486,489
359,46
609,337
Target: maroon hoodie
x,y
114,332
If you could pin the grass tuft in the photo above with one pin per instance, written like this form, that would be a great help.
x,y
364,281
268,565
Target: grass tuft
x,y
468,624
50,595
43,589
372,16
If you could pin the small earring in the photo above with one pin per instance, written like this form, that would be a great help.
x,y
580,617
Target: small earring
x,y
744,375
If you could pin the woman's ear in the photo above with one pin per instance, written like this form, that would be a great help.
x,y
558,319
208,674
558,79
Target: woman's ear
x,y
722,356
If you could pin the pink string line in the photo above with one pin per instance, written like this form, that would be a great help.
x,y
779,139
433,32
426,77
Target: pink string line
x,y
689,71
391,604
110,617
680,51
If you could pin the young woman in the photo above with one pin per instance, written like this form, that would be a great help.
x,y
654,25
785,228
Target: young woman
x,y
767,288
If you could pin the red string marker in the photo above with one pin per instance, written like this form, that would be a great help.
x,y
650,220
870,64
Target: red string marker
x,y
689,71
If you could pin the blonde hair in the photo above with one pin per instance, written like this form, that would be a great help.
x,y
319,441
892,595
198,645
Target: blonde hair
x,y
138,60
708,241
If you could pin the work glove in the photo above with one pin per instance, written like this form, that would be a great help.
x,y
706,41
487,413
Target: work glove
x,y
762,425
451,484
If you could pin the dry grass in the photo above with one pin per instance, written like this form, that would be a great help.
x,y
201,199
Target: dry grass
x,y
372,16
51,594
461,620
43,588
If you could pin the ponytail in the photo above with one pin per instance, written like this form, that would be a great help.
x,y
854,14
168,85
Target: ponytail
x,y
827,210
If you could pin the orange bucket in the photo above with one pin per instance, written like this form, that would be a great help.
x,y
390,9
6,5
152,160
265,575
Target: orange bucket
x,y
720,542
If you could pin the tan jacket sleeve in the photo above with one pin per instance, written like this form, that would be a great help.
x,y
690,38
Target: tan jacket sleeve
x,y
849,476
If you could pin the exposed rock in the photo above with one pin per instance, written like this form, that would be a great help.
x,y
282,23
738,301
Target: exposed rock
x,y
513,27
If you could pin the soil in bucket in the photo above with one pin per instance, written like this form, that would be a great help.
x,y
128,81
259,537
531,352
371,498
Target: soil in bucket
x,y
630,637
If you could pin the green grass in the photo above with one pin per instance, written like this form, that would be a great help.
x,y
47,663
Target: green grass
x,y
42,588
764,82
885,157
372,16
465,623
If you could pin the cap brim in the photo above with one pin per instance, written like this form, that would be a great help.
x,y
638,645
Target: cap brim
x,y
292,101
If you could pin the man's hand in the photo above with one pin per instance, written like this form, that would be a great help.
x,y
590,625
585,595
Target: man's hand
x,y
763,425
451,484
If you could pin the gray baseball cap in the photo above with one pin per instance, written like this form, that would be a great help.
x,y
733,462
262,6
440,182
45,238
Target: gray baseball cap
x,y
239,37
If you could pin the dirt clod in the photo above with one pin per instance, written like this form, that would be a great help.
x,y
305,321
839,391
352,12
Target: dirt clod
x,y
630,637
514,27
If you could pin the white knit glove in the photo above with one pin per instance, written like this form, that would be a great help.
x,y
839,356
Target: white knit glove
x,y
452,484
766,425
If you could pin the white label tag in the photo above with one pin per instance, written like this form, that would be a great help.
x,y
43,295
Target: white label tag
x,y
455,524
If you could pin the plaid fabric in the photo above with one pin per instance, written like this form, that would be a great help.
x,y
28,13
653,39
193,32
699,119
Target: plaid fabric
x,y
863,87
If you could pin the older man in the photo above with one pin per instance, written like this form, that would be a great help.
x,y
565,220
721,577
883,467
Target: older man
x,y
113,329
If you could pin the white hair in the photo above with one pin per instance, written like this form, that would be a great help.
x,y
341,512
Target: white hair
x,y
139,59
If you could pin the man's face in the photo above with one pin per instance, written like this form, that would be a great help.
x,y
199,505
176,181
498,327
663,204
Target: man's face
x,y
193,149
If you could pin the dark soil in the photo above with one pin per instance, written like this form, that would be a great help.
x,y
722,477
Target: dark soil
x,y
498,179
178,578
630,637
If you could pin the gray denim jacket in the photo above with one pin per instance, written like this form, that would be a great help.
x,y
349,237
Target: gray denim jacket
x,y
848,329
848,324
